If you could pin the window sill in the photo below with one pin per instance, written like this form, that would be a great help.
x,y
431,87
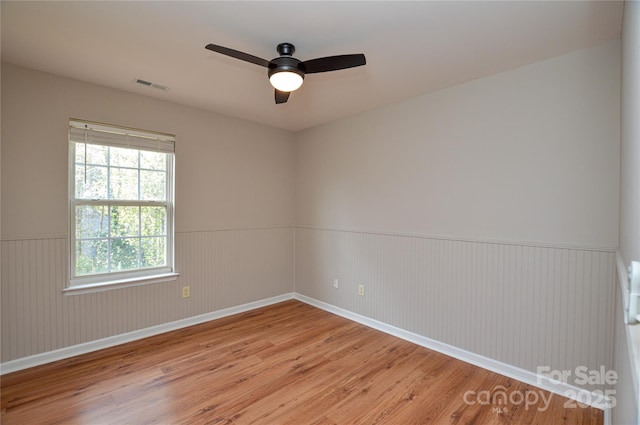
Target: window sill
x,y
119,284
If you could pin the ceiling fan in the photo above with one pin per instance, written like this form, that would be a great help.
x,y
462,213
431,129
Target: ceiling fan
x,y
285,72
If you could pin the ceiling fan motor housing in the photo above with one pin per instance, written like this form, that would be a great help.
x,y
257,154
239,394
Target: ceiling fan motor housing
x,y
286,63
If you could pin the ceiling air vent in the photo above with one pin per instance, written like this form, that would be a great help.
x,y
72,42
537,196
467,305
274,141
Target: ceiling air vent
x,y
150,84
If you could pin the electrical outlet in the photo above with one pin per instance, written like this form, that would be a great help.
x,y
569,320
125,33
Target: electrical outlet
x,y
361,290
185,292
336,283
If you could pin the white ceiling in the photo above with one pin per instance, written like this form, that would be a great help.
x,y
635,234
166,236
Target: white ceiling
x,y
411,47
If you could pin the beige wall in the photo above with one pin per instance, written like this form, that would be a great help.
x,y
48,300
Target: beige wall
x,y
528,155
630,132
230,173
484,215
234,210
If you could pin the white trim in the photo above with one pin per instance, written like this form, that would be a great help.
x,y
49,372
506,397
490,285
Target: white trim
x,y
632,332
87,347
501,368
89,288
623,280
240,228
464,239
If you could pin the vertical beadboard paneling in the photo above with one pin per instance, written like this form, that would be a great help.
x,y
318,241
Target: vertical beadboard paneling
x,y
222,268
233,267
523,305
527,306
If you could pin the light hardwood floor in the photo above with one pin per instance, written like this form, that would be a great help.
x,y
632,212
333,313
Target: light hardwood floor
x,y
287,363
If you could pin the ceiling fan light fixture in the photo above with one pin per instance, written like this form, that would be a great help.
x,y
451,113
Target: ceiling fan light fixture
x,y
285,72
286,81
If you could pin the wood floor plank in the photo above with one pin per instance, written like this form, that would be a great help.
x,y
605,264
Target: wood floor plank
x,y
288,363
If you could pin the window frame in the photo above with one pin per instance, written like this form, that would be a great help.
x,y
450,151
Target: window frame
x,y
133,277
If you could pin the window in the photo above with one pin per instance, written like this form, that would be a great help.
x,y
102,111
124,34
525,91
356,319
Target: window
x,y
121,205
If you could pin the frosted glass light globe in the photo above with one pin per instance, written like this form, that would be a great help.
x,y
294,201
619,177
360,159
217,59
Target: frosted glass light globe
x,y
286,81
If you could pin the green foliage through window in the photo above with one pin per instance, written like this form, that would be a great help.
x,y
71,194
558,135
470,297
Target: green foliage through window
x,y
120,209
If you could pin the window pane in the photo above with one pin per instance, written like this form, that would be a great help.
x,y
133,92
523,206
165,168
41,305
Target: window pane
x,y
153,160
92,184
79,147
123,184
96,155
153,221
153,252
124,254
122,157
152,185
124,221
91,256
92,222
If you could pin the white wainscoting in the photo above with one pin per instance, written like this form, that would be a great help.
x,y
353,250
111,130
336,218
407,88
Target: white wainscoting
x,y
523,306
224,269
526,306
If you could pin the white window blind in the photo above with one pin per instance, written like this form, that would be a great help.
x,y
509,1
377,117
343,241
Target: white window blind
x,y
100,134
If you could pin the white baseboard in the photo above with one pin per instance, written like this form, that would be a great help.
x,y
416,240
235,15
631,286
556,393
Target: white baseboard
x,y
87,347
540,381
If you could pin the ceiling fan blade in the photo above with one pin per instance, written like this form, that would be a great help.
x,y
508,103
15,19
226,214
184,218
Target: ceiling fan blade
x,y
281,96
334,63
238,55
